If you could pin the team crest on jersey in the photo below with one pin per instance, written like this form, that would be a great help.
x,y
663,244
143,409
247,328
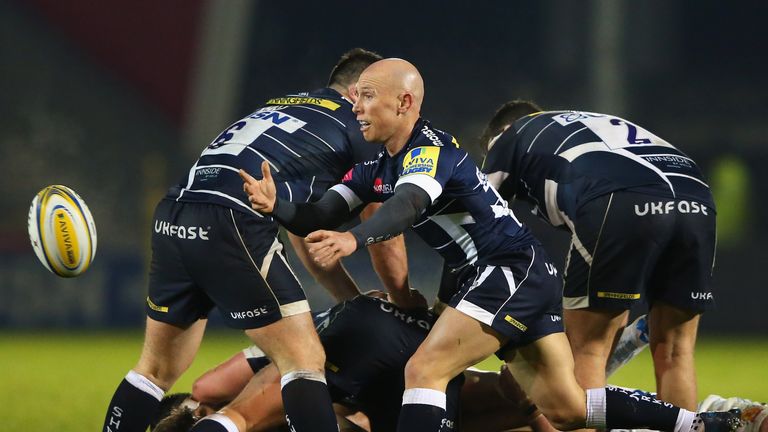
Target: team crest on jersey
x,y
421,160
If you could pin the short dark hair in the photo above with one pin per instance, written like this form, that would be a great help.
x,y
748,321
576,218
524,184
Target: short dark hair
x,y
167,406
181,419
351,65
507,114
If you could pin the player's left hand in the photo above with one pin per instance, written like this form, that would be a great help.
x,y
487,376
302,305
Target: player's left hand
x,y
327,247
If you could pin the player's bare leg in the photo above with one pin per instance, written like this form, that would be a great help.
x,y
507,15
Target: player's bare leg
x,y
545,371
592,334
673,341
455,342
168,351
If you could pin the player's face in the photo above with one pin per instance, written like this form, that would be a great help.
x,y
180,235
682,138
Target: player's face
x,y
376,108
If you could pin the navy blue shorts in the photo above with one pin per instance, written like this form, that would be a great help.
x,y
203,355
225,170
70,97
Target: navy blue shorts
x,y
629,248
207,254
522,301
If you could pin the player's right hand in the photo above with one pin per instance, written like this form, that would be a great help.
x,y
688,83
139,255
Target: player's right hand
x,y
261,193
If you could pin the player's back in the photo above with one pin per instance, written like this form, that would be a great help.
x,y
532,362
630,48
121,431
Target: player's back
x,y
308,139
576,156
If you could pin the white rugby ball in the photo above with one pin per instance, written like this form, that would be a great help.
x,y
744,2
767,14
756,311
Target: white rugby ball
x,y
62,231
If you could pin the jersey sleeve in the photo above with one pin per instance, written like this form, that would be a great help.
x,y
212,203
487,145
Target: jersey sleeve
x,y
429,167
356,186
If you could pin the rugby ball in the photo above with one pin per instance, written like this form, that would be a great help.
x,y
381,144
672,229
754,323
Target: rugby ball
x,y
62,231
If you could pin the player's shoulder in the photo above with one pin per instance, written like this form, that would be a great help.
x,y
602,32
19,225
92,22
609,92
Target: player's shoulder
x,y
426,135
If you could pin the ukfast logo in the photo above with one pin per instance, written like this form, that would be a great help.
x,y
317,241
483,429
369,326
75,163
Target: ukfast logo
x,y
181,231
666,207
257,312
701,296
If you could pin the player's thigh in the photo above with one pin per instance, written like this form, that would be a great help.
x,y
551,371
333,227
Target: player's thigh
x,y
544,369
455,342
614,250
673,328
168,350
291,343
594,331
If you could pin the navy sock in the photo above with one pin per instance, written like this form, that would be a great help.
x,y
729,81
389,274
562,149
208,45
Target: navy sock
x,y
423,411
133,405
618,408
307,403
214,423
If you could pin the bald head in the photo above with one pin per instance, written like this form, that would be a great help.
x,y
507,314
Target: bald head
x,y
390,94
399,76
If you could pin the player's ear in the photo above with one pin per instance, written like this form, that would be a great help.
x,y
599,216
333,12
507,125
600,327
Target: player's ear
x,y
352,92
405,102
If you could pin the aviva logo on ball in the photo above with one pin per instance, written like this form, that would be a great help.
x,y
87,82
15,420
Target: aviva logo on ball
x,y
62,231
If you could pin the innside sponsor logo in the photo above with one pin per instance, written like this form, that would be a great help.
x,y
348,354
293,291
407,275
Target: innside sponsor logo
x,y
666,207
181,231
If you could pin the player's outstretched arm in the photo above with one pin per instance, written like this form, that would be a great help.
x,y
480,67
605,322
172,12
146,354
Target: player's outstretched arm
x,y
299,218
395,215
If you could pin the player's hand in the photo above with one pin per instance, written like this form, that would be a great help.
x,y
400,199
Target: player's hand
x,y
261,193
408,299
327,247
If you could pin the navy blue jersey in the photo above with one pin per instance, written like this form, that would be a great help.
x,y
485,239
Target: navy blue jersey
x,y
309,140
467,221
559,160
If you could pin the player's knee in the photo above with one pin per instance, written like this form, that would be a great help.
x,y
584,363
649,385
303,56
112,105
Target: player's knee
x,y
418,372
310,360
161,374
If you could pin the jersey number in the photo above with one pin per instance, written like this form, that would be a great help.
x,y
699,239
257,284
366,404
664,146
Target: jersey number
x,y
631,132
237,137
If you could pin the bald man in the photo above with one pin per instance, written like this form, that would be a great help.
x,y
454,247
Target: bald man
x,y
508,296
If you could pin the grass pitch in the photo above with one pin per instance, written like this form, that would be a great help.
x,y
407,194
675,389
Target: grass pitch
x,y
63,381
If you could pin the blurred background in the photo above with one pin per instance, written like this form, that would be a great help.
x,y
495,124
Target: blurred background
x,y
117,99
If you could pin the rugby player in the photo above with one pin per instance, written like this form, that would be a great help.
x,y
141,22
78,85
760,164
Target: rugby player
x,y
209,247
642,221
509,300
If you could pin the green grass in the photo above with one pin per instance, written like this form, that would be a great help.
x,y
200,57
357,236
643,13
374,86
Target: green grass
x,y
63,381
